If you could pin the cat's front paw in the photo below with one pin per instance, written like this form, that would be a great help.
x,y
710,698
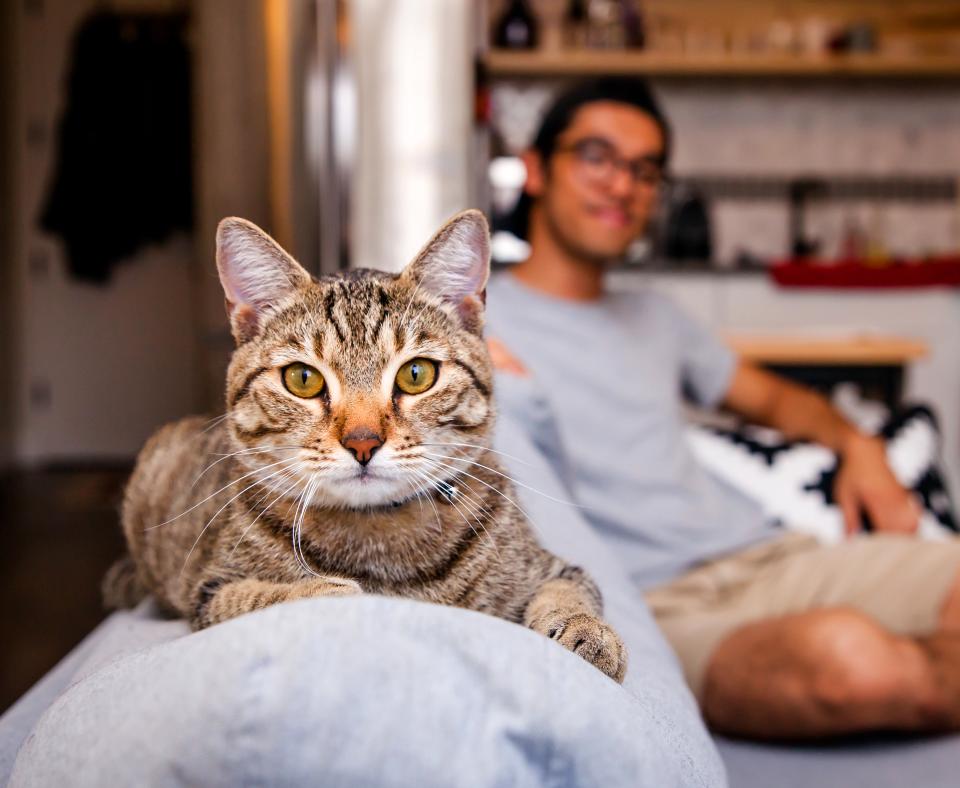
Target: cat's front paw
x,y
330,586
590,638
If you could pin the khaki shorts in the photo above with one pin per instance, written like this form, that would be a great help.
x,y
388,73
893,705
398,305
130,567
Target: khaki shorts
x,y
900,581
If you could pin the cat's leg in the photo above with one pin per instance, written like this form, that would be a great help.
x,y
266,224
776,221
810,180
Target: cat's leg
x,y
218,600
567,608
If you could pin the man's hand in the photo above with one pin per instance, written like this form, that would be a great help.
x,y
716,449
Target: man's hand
x,y
866,483
504,360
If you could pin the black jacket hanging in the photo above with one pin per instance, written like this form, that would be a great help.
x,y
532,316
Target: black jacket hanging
x,y
123,173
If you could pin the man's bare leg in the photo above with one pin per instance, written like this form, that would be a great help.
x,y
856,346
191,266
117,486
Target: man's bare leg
x,y
950,612
831,671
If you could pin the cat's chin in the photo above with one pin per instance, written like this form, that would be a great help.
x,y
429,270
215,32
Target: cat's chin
x,y
364,492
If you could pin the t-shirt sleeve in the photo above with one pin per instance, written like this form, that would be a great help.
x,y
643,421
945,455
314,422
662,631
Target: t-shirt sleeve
x,y
706,363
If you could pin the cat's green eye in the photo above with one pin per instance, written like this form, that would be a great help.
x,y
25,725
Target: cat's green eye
x,y
302,380
416,376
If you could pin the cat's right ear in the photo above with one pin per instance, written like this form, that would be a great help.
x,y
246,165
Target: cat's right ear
x,y
256,274
455,265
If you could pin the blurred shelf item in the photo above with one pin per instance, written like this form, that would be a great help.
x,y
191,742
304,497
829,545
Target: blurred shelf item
x,y
517,28
506,63
866,350
897,187
897,274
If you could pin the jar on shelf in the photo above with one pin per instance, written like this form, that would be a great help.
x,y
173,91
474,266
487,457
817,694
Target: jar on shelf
x,y
517,27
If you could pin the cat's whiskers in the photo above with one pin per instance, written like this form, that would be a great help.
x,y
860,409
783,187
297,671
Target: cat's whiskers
x,y
439,483
484,448
309,489
213,423
241,452
470,497
429,497
490,486
282,480
474,500
271,487
252,450
420,493
505,476
457,473
471,508
217,514
288,473
214,494
293,524
438,487
454,476
306,508
468,494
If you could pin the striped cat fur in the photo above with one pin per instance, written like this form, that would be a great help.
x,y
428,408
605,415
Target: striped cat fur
x,y
361,489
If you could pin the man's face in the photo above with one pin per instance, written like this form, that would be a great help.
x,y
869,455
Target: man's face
x,y
599,187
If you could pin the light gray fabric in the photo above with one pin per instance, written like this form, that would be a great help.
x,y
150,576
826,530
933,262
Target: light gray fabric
x,y
612,371
366,691
122,633
874,762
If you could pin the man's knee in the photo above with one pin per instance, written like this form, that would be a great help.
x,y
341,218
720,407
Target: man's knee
x,y
837,660
852,662
950,612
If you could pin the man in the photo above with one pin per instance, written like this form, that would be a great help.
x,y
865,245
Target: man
x,y
778,636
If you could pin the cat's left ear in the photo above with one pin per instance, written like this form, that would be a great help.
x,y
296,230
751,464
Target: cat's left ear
x,y
256,274
455,265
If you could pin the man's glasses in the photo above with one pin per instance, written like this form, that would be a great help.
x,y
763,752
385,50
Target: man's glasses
x,y
598,160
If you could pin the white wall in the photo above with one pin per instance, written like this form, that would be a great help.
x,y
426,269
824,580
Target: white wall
x,y
96,369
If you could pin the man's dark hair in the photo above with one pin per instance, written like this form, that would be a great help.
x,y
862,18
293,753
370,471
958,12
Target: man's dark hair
x,y
632,91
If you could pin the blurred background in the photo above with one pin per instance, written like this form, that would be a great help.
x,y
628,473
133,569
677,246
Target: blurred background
x,y
812,214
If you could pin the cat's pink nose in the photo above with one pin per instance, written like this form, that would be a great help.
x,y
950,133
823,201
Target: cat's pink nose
x,y
362,443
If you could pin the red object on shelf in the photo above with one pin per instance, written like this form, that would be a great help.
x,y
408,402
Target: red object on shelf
x,y
930,272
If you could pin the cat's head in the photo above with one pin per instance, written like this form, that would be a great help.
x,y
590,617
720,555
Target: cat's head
x,y
357,384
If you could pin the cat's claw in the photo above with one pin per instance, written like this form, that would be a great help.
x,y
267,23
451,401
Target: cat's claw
x,y
590,638
325,586
346,588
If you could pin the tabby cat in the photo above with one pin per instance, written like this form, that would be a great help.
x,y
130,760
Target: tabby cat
x,y
353,457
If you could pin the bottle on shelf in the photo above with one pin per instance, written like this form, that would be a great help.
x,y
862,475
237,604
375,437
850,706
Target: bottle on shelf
x,y
631,19
604,24
517,27
575,25
853,241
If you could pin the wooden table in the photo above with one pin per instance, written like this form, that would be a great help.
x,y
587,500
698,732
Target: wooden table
x,y
875,363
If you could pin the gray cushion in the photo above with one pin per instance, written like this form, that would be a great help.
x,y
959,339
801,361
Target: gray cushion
x,y
870,762
362,691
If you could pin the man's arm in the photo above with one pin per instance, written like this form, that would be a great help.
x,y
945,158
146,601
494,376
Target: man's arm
x,y
864,482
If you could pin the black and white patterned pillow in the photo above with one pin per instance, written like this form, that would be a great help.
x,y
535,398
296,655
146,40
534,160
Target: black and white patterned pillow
x,y
793,480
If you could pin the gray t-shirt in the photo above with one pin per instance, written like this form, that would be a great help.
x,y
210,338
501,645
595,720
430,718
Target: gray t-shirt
x,y
614,372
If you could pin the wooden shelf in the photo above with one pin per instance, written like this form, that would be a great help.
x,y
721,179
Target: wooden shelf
x,y
506,63
819,350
